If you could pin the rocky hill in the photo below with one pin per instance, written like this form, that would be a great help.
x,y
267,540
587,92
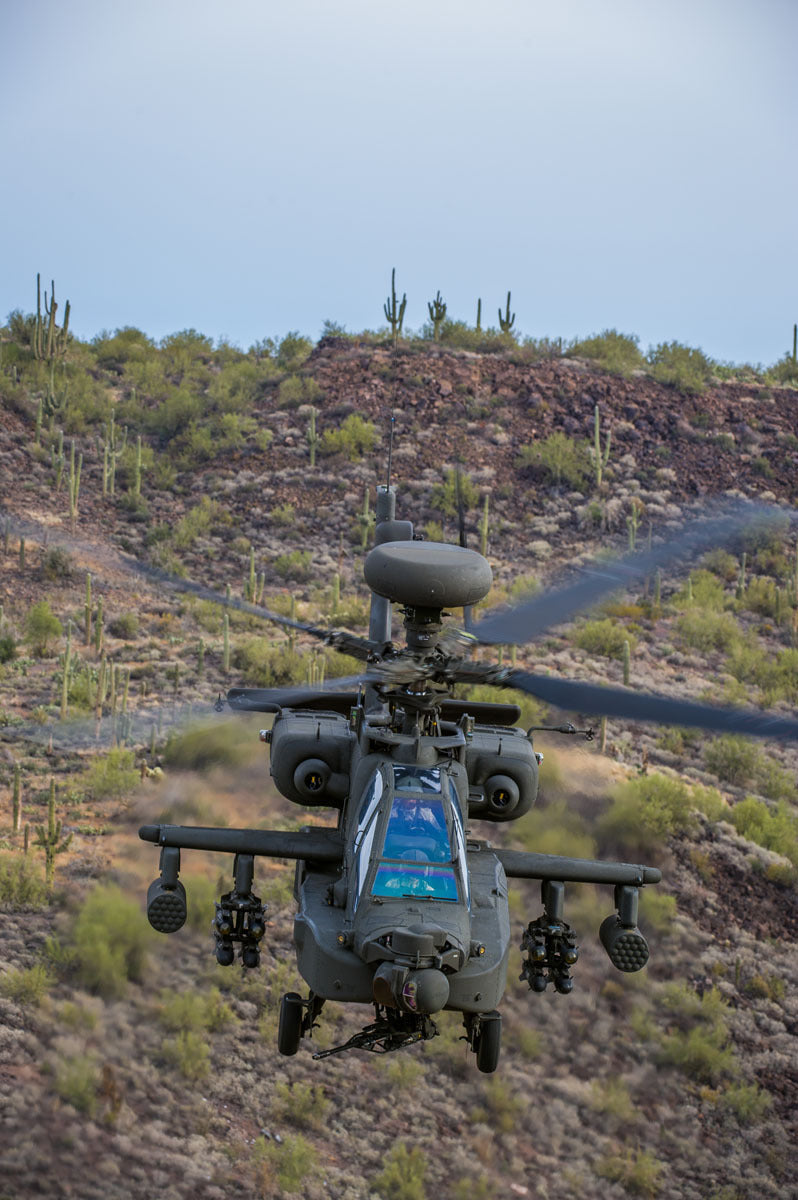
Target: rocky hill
x,y
130,1062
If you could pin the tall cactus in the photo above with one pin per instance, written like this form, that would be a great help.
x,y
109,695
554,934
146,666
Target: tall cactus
x,y
437,314
50,838
137,469
600,458
365,521
74,484
226,643
395,311
507,321
112,452
479,315
87,610
795,343
312,436
67,670
16,803
50,343
98,627
483,526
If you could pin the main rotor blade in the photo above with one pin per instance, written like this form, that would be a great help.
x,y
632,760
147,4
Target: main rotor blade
x,y
595,700
244,699
349,643
598,579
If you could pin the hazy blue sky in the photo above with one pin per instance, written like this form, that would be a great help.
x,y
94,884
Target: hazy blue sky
x,y
248,168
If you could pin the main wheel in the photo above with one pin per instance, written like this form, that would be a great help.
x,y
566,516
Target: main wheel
x,y
489,1042
289,1027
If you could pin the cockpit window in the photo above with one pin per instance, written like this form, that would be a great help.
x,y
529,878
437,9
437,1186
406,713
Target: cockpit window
x,y
417,830
415,879
417,779
366,827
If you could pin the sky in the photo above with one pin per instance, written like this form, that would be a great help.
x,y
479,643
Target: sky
x,y
250,168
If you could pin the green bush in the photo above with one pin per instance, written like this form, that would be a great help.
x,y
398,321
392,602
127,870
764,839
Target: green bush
x,y
77,1081
747,1101
698,1042
605,637
110,937
353,439
646,811
8,648
188,1053
293,1161
57,565
292,351
302,1104
264,665
22,885
774,829
734,760
111,776
682,367
616,352
657,910
705,592
560,458
444,496
209,516
125,626
41,626
402,1177
298,389
26,986
183,1011
638,1172
555,829
722,564
785,371
296,565
707,630
212,744
612,1096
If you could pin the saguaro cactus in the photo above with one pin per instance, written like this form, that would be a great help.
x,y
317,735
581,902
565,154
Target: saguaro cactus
x,y
395,311
479,315
627,654
112,452
437,313
600,458
483,526
507,321
67,669
87,610
74,483
312,436
50,838
16,802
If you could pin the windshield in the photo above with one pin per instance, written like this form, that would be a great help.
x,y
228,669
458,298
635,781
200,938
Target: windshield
x,y
429,882
417,779
415,839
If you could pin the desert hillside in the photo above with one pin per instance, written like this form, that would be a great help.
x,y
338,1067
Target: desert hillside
x,y
130,1063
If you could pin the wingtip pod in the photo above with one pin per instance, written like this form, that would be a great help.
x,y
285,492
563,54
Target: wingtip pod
x,y
150,833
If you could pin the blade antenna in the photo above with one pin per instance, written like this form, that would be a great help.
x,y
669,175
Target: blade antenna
x,y
390,451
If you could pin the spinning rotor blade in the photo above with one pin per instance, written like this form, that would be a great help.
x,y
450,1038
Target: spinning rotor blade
x,y
348,643
591,583
601,701
245,699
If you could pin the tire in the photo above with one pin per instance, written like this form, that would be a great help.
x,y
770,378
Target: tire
x,y
489,1042
289,1027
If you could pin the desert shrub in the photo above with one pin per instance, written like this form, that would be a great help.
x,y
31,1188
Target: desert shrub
x,y
56,565
353,439
733,759
125,626
8,648
110,937
645,811
444,496
523,587
605,637
612,1096
188,1053
264,665
774,781
722,564
182,1011
298,389
698,1042
657,910
111,776
774,829
77,1081
638,1172
747,1101
22,884
27,985
77,1017
302,1104
555,829
296,565
705,592
403,1071
402,1177
292,351
785,371
201,896
766,987
124,345
560,458
682,367
41,626
616,352
206,517
707,630
292,1161
228,743
283,515
502,1108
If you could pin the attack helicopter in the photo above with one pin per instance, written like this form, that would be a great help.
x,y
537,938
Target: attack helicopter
x,y
400,906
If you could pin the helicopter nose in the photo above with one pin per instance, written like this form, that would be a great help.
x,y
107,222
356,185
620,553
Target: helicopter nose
x,y
424,990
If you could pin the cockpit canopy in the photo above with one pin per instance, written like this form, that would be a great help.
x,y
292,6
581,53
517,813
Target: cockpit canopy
x,y
410,840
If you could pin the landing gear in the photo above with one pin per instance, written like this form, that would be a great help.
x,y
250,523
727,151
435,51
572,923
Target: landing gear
x,y
297,1018
289,1028
486,1041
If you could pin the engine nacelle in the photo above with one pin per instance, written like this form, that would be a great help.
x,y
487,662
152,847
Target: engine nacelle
x,y
502,774
311,754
